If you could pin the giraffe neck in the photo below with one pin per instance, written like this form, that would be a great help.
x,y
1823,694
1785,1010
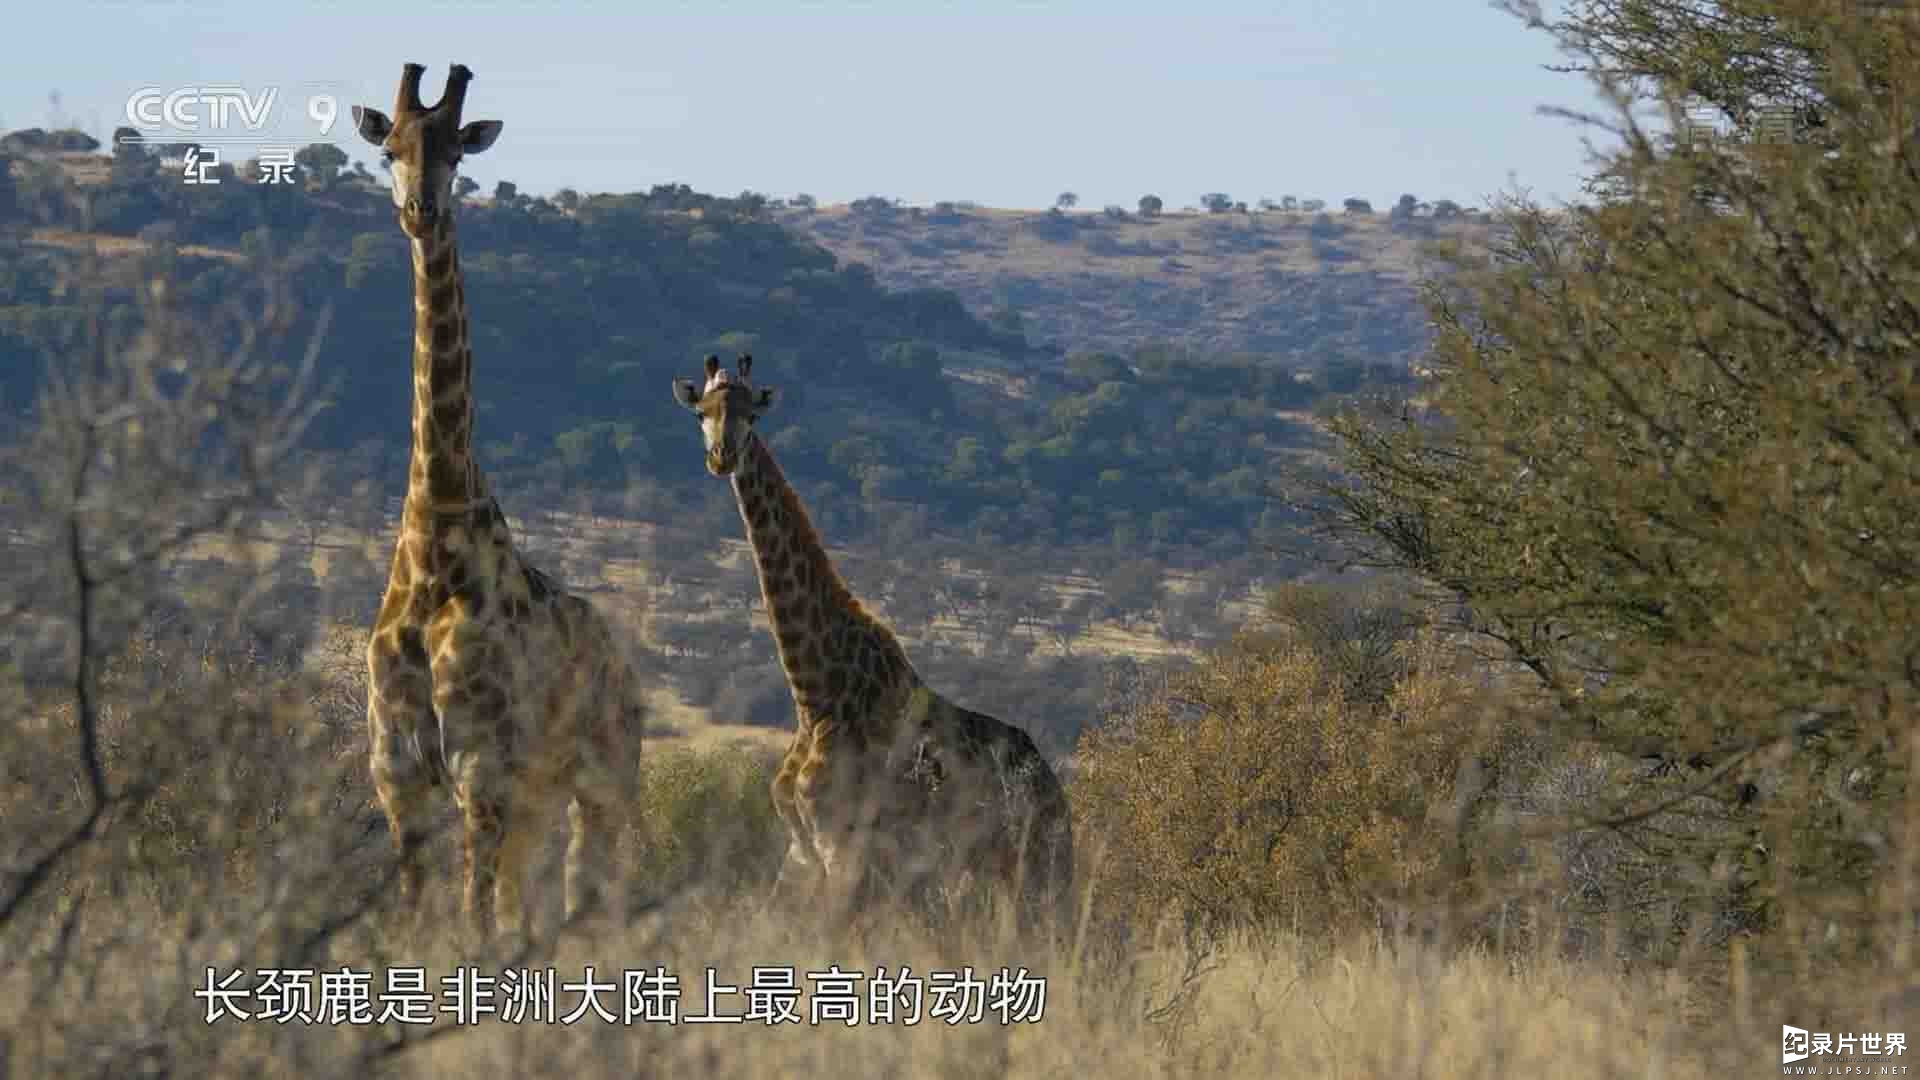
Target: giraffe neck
x,y
807,601
443,478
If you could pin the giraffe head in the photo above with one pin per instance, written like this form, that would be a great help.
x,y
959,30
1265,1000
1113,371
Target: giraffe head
x,y
727,405
423,146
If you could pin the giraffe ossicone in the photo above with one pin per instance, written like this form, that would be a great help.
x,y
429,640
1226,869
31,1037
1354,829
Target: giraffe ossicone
x,y
484,674
719,376
886,780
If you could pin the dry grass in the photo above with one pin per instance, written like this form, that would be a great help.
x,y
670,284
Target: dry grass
x,y
249,843
1252,1009
256,849
134,942
118,246
1360,1011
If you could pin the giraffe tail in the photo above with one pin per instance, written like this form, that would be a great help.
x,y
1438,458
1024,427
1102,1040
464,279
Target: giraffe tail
x,y
1060,880
1048,897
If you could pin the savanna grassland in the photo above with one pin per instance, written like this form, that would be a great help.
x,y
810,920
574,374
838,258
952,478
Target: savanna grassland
x,y
1497,661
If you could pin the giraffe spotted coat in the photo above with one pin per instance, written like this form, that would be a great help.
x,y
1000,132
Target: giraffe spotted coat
x,y
886,781
485,676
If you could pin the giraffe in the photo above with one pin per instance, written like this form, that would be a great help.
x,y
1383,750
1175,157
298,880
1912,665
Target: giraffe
x,y
484,674
885,777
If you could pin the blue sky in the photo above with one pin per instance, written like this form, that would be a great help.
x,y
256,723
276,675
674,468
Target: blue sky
x,y
1000,102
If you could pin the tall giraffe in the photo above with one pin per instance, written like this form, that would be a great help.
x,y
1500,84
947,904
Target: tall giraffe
x,y
885,778
483,673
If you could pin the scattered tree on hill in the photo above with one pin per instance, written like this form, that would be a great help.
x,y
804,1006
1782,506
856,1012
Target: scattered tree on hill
x,y
805,202
465,186
65,140
750,204
1313,206
24,139
130,155
322,161
1216,202
1403,209
1150,206
1066,200
506,193
1357,206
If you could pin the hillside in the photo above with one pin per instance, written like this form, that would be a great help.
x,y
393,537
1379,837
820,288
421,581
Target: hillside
x,y
1510,678
1311,288
585,308
1043,511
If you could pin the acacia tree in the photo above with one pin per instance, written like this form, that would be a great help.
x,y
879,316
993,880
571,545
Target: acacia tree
x,y
322,161
1733,55
1670,465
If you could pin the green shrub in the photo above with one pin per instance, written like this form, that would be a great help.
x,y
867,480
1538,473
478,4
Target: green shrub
x,y
706,818
1256,789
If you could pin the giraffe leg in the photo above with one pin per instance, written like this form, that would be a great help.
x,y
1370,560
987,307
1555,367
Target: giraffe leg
x,y
1057,902
477,727
597,818
828,797
486,805
606,794
799,870
1039,886
1041,834
402,730
589,824
509,901
406,803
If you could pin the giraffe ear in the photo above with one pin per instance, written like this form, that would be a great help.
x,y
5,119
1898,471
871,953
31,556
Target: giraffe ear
x,y
684,393
763,399
372,124
477,136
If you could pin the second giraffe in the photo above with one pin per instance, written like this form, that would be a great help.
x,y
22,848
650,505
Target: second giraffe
x,y
886,780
